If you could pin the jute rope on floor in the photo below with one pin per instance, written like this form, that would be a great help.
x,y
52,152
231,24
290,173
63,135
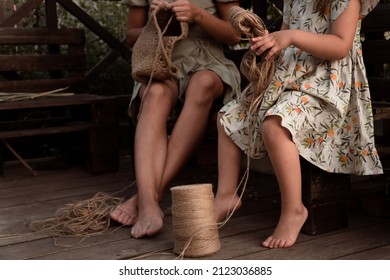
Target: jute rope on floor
x,y
80,219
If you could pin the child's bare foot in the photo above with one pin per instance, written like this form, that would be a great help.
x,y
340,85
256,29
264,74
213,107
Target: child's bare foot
x,y
126,213
287,230
225,205
149,221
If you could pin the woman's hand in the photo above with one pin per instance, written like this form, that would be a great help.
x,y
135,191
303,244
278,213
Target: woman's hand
x,y
156,3
185,10
274,42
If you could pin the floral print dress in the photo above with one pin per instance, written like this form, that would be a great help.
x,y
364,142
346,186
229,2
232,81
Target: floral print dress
x,y
324,104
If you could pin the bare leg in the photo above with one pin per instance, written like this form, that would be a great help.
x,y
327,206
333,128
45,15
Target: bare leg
x,y
229,164
150,156
204,88
285,160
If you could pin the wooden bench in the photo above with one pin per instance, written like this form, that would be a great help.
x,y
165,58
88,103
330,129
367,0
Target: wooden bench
x,y
327,195
40,60
376,52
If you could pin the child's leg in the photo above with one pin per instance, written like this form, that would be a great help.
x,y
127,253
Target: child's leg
x,y
285,160
229,164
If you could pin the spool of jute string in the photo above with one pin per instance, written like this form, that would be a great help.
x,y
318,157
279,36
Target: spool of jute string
x,y
195,229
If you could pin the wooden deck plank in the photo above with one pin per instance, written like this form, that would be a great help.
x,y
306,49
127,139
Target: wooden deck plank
x,y
24,198
238,244
330,246
378,253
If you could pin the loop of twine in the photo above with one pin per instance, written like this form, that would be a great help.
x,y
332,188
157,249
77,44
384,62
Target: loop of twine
x,y
84,218
259,74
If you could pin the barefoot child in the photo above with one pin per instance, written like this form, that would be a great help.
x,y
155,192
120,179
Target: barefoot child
x,y
317,107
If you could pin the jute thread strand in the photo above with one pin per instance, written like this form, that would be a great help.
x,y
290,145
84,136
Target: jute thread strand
x,y
259,74
258,71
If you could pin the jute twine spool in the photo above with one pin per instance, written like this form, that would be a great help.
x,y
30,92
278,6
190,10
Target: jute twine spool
x,y
194,222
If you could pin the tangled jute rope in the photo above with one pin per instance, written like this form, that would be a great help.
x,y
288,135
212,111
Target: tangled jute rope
x,y
81,219
258,71
193,220
259,74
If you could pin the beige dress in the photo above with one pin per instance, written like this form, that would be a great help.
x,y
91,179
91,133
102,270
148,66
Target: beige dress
x,y
324,104
199,52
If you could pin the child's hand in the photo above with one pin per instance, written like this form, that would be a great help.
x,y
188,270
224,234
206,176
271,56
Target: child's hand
x,y
274,42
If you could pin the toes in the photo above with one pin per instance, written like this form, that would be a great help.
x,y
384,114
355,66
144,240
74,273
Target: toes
x,y
126,219
266,243
122,217
137,233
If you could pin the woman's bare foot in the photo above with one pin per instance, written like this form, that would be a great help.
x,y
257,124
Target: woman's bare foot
x,y
225,205
287,230
149,221
126,213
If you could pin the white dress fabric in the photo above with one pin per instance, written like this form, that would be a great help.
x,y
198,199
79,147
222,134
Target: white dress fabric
x,y
324,104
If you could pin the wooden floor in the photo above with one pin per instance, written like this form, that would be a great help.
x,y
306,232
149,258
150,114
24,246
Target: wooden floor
x,y
24,198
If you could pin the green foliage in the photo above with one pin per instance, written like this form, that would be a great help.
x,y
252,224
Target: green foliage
x,y
112,15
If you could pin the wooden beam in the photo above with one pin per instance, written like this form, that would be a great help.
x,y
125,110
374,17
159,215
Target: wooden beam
x,y
102,64
20,13
95,27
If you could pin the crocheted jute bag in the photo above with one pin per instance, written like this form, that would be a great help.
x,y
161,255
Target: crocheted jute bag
x,y
152,52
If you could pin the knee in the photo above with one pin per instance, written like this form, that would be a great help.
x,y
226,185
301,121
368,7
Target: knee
x,y
271,127
218,120
205,89
158,95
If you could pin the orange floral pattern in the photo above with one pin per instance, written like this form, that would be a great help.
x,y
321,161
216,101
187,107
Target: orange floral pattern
x,y
320,109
